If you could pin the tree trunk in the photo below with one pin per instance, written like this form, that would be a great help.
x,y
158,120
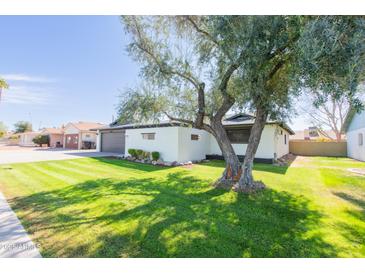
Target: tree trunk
x,y
338,136
246,182
232,172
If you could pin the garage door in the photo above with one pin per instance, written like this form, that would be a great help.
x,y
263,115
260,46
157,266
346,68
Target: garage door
x,y
72,141
113,142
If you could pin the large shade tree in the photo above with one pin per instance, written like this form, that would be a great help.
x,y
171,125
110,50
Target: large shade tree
x,y
292,54
187,67
196,69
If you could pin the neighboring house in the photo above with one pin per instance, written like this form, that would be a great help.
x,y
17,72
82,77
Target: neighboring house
x,y
26,138
55,136
178,142
79,135
354,127
313,133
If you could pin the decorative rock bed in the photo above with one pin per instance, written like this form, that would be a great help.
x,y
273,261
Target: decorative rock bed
x,y
160,162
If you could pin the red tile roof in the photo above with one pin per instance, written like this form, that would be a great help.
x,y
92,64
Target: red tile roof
x,y
85,126
51,130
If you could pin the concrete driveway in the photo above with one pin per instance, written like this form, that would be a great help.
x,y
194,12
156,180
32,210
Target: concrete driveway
x,y
16,154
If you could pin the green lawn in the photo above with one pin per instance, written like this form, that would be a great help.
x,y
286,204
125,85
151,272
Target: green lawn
x,y
96,207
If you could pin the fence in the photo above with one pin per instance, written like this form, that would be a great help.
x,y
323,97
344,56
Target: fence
x,y
312,148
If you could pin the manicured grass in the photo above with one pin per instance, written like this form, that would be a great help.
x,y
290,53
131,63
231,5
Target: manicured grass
x,y
111,208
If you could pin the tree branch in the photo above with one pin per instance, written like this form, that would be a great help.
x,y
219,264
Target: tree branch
x,y
228,101
192,123
207,35
164,68
200,30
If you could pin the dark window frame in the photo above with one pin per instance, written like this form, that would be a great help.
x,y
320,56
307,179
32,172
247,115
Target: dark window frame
x,y
238,135
149,135
361,139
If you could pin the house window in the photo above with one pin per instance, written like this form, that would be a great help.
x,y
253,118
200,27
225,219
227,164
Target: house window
x,y
361,139
238,136
285,139
148,136
195,137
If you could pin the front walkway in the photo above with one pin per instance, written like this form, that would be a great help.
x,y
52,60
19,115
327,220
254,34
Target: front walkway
x,y
14,240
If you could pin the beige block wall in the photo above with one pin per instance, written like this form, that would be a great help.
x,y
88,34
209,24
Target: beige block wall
x,y
310,148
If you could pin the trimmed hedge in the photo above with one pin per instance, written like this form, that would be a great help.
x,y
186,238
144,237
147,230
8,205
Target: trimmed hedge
x,y
41,140
139,153
132,152
144,155
155,155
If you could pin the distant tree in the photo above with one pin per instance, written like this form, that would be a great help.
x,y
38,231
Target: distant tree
x,y
41,140
22,126
3,129
329,115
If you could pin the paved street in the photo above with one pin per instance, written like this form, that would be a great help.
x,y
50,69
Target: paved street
x,y
16,154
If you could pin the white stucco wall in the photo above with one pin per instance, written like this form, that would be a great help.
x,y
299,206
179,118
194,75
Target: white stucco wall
x,y
281,148
192,150
175,144
265,150
357,125
354,150
26,139
166,141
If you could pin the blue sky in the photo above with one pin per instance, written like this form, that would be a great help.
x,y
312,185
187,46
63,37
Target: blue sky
x,y
64,68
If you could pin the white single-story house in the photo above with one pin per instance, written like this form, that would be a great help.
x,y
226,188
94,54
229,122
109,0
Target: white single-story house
x,y
178,142
26,138
354,127
80,136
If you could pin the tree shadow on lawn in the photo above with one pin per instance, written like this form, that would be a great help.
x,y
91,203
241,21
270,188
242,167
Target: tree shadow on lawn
x,y
129,164
177,216
354,232
257,166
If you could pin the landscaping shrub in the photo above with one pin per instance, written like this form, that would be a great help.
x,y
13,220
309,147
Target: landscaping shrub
x,y
139,153
146,155
132,152
41,140
155,155
14,137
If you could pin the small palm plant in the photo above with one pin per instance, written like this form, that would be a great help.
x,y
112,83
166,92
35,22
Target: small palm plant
x,y
3,85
